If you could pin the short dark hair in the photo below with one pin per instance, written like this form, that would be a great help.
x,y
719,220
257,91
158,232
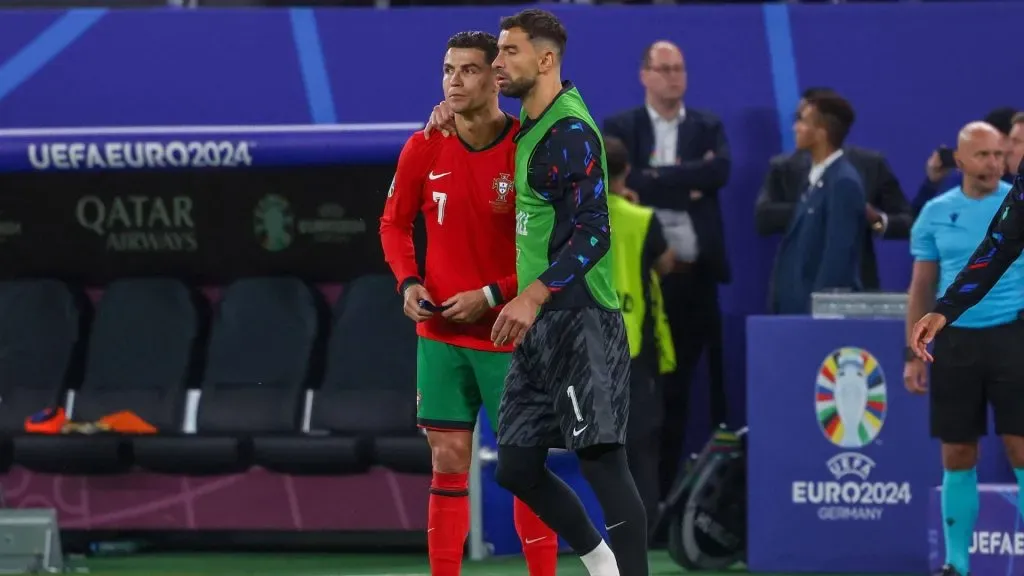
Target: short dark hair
x,y
482,41
1002,119
616,155
836,114
816,91
1018,118
539,25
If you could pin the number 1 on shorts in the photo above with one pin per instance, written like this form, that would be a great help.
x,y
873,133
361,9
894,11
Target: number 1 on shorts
x,y
575,404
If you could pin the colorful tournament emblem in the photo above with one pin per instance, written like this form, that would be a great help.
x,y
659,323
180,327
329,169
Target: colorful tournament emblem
x,y
850,397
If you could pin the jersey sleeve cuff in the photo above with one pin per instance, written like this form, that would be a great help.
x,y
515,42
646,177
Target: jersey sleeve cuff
x,y
951,314
404,285
493,294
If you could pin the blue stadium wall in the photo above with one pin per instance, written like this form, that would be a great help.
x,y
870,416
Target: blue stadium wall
x,y
915,73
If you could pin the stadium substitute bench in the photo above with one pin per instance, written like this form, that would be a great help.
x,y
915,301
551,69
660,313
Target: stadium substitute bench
x,y
364,412
140,358
370,386
261,346
41,334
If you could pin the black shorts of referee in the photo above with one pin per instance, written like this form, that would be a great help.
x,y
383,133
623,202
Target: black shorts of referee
x,y
975,368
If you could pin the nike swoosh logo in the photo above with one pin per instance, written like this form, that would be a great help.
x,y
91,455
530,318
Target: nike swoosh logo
x,y
606,527
433,176
529,541
576,432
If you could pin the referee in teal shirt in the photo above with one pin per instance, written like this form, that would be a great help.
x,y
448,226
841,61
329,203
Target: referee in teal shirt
x,y
978,359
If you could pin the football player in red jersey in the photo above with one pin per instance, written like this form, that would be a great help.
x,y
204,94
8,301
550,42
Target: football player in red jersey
x,y
463,187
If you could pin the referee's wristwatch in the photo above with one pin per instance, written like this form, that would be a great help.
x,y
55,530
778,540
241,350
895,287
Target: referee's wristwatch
x,y
908,354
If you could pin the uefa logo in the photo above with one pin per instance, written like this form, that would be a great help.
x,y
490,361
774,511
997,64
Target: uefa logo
x,y
273,223
850,397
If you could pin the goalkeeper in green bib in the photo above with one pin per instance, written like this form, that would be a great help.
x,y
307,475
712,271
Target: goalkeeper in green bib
x,y
568,385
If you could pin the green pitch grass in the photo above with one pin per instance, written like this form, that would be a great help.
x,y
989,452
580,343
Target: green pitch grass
x,y
334,565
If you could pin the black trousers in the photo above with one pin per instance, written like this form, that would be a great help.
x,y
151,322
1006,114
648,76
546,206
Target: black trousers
x,y
643,433
692,307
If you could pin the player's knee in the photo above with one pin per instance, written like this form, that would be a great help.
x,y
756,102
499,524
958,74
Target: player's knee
x,y
1014,450
450,452
959,456
519,471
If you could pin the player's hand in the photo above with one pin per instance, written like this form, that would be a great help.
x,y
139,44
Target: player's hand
x,y
443,119
518,315
466,306
915,376
923,334
413,295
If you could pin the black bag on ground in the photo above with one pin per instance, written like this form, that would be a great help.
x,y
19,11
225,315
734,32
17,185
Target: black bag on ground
x,y
706,512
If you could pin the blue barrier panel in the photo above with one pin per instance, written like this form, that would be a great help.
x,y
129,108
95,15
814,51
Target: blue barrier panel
x,y
998,541
840,461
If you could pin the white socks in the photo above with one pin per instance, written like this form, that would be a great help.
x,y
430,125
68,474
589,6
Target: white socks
x,y
600,561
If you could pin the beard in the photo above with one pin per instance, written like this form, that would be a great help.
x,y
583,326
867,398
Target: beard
x,y
518,88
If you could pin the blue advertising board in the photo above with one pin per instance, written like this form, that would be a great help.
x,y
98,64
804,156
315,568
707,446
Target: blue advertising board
x,y
998,540
840,463
206,203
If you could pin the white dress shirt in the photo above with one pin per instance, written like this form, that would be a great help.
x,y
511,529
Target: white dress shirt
x,y
676,225
818,170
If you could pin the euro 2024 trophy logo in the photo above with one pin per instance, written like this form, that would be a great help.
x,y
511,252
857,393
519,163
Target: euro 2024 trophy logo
x,y
851,398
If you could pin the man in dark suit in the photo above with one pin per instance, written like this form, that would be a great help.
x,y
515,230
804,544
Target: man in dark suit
x,y
680,160
823,242
887,210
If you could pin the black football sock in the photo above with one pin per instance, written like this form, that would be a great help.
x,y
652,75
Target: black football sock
x,y
606,469
523,472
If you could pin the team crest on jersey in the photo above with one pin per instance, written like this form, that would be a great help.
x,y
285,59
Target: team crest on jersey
x,y
503,186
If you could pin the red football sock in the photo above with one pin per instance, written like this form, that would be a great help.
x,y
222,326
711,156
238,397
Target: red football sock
x,y
540,543
447,522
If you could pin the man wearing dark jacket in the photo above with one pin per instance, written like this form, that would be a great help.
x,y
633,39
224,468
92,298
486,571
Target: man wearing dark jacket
x,y
887,211
680,160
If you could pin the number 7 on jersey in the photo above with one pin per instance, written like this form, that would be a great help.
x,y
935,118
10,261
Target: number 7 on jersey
x,y
440,198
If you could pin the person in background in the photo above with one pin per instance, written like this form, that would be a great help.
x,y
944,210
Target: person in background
x,y
977,360
1016,150
681,159
822,245
887,210
940,176
640,257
